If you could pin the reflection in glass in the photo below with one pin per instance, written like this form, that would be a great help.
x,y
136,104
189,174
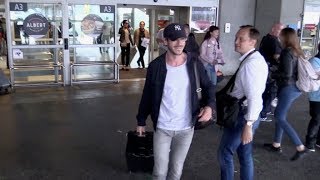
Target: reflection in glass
x,y
202,18
38,65
93,72
52,12
91,54
89,26
309,31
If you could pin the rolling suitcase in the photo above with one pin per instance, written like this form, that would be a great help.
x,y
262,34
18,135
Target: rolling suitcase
x,y
139,152
5,84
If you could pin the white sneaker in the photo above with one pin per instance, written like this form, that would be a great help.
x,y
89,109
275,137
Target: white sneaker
x,y
245,103
270,113
265,119
274,102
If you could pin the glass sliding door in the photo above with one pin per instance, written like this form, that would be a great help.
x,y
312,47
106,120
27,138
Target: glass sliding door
x,y
61,41
92,42
35,48
310,27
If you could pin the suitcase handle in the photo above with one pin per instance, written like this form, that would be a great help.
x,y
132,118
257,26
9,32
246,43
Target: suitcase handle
x,y
142,135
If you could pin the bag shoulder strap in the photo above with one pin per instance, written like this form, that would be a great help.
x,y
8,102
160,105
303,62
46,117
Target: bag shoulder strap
x,y
196,73
233,78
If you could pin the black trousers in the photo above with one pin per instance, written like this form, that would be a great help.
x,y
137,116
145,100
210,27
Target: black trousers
x,y
268,95
125,55
313,134
142,51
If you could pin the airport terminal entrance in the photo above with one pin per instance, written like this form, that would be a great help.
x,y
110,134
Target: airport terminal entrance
x,y
70,41
199,19
60,42
153,16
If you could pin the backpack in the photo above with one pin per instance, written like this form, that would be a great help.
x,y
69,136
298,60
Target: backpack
x,y
308,79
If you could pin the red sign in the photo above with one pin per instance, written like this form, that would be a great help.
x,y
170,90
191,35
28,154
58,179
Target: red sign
x,y
310,26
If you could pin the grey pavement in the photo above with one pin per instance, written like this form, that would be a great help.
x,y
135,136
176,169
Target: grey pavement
x,y
79,133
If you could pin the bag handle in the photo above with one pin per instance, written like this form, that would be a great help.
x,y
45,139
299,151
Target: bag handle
x,y
233,78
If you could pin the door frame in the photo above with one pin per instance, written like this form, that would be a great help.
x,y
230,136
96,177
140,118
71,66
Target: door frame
x,y
10,46
153,21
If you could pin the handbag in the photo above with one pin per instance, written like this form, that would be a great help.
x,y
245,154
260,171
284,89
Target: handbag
x,y
202,124
228,107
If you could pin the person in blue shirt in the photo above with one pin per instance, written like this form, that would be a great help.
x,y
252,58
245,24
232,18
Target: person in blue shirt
x,y
313,133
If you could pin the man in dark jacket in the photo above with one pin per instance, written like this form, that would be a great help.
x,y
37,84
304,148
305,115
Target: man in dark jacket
x,y
270,49
170,97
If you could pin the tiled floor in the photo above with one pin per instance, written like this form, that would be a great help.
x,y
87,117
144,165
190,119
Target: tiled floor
x,y
79,133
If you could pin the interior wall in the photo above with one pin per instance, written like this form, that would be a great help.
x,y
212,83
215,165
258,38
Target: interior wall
x,y
236,13
267,13
183,15
291,11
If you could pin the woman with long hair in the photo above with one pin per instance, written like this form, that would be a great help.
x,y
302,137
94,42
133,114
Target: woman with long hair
x,y
211,53
286,78
139,35
125,40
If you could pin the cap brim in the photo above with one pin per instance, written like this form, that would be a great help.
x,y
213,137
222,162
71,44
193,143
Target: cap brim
x,y
175,38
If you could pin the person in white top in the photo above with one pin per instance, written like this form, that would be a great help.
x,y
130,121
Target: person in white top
x,y
139,36
160,39
170,97
250,83
211,54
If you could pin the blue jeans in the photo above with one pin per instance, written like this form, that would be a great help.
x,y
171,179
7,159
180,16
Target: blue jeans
x,y
170,149
231,142
211,71
286,97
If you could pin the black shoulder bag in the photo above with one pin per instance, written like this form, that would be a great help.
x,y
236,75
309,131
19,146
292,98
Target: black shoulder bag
x,y
203,124
228,107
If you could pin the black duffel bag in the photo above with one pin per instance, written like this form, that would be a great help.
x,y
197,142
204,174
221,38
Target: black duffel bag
x,y
228,107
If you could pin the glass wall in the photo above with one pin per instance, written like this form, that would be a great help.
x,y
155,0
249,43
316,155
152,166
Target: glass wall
x,y
61,42
202,18
37,49
92,41
310,27
23,24
134,17
82,38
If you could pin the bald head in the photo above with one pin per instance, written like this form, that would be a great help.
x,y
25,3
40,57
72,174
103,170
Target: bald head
x,y
276,29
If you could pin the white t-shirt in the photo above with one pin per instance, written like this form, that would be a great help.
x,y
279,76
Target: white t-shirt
x,y
175,107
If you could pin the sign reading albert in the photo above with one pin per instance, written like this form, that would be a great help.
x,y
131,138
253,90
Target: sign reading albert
x,y
36,25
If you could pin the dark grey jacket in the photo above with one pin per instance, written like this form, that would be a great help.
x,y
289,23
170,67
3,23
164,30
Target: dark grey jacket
x,y
122,35
287,73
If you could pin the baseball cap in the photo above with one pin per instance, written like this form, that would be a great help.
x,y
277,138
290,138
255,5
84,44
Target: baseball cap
x,y
174,31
